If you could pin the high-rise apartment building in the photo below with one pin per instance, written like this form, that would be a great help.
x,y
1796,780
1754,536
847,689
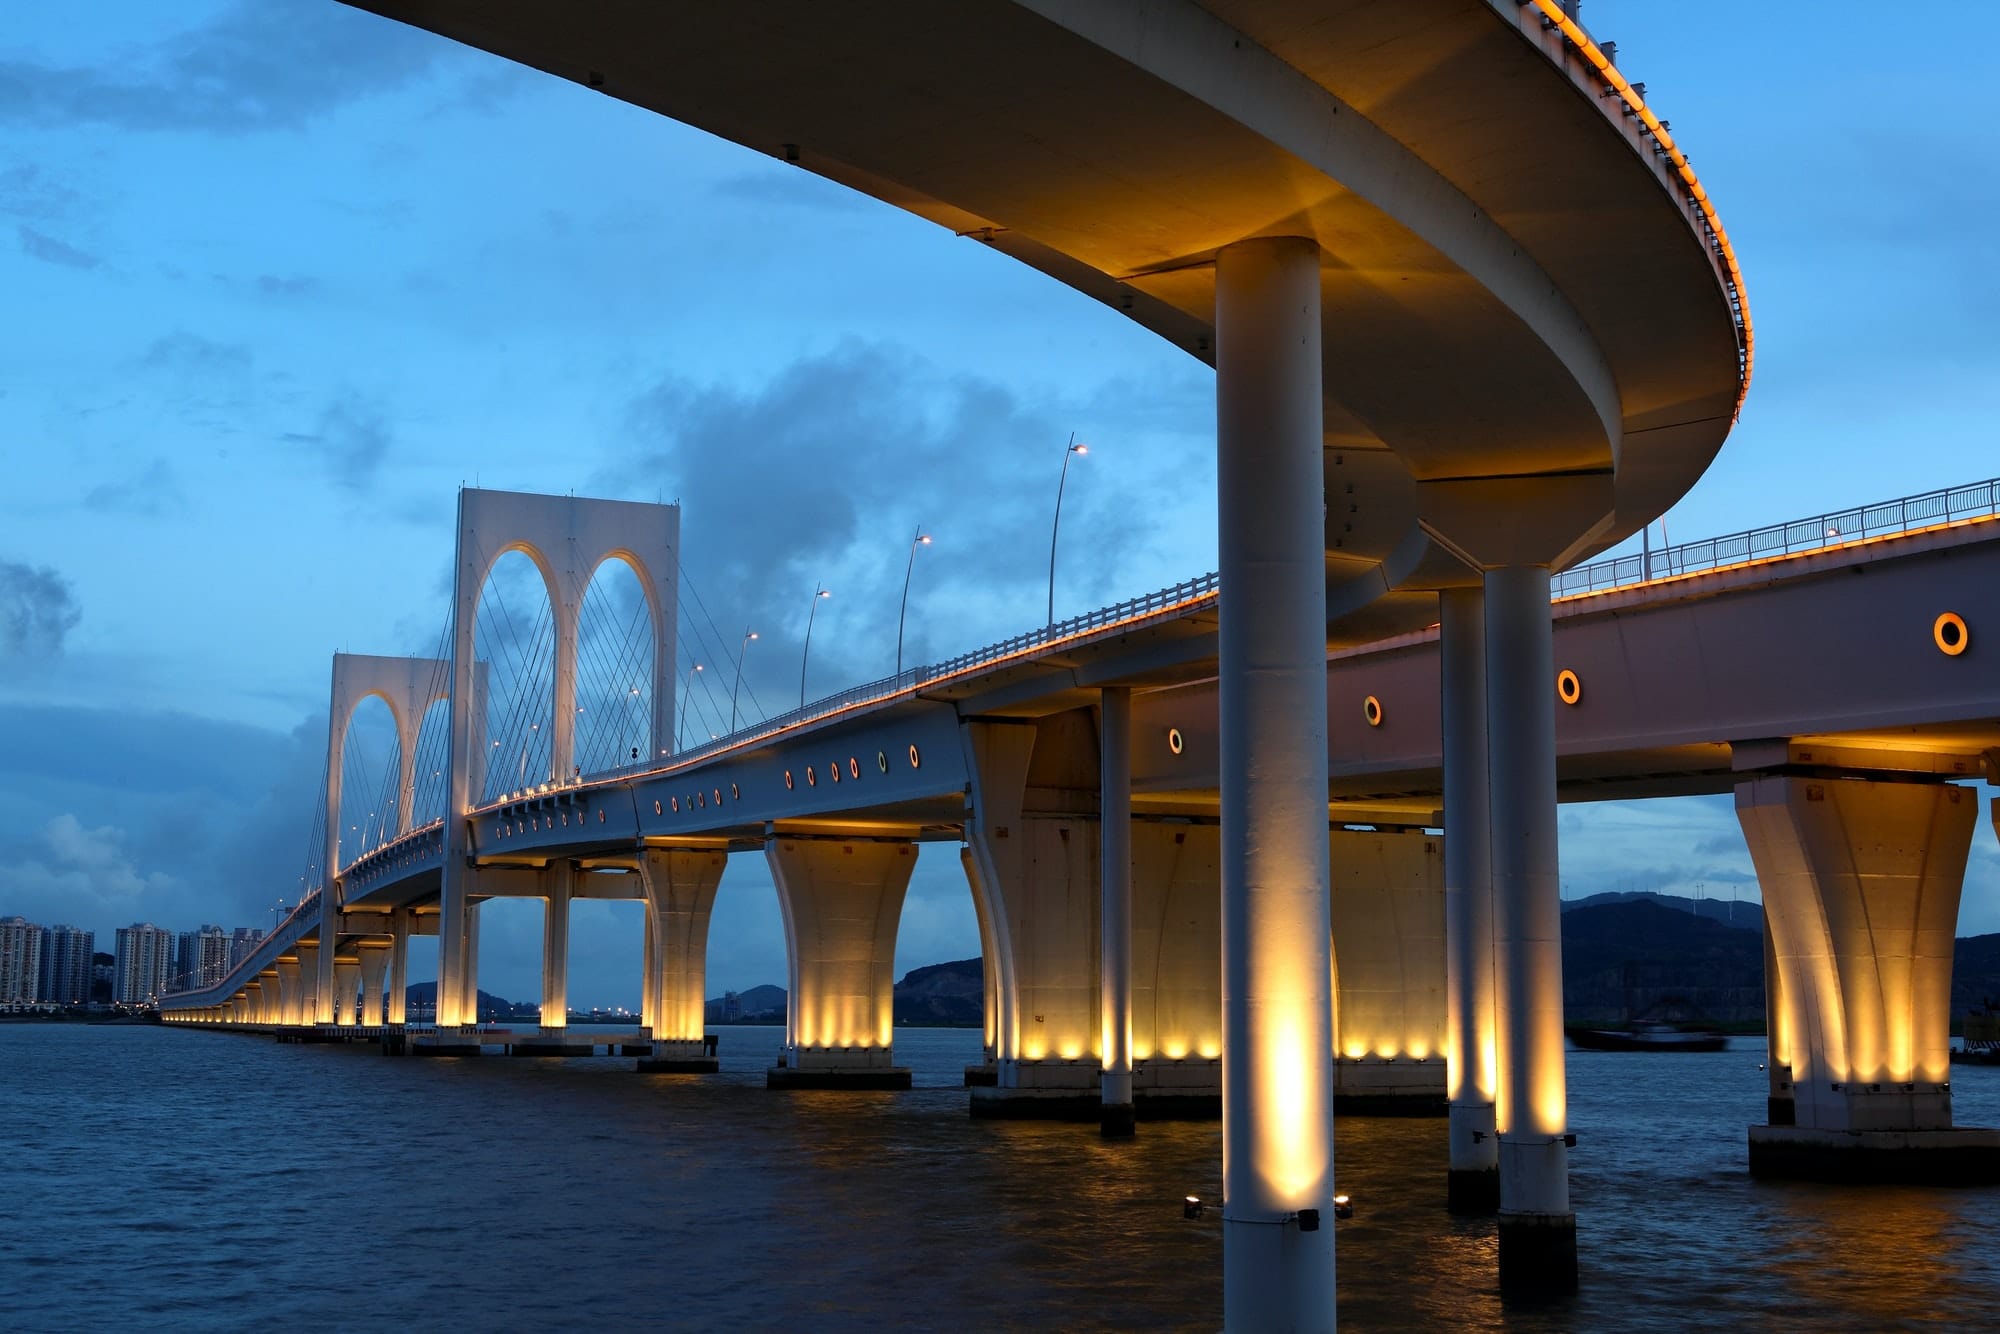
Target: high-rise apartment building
x,y
145,962
201,958
20,962
66,952
243,943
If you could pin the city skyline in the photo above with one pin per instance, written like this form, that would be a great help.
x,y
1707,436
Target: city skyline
x,y
282,317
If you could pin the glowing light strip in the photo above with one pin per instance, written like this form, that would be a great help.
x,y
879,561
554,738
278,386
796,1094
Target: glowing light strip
x,y
1553,15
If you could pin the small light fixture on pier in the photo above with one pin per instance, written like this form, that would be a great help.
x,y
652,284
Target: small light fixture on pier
x,y
1343,1206
1192,1207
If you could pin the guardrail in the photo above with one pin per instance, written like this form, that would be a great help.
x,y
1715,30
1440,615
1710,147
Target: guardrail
x,y
1784,539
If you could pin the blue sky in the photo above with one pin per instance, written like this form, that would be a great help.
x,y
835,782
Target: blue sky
x,y
282,275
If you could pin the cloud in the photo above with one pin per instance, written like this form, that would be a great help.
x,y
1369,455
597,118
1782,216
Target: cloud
x,y
42,246
184,353
151,493
259,65
823,471
37,611
81,875
28,191
352,439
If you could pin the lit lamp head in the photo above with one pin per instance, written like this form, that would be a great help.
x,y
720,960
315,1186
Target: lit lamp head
x,y
1343,1207
1192,1207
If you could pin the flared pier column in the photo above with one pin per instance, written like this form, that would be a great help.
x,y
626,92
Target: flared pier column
x,y
1116,1119
291,995
374,966
1861,883
1531,1113
1277,1004
558,882
399,965
1389,971
1034,863
309,984
1473,1183
346,991
680,885
842,900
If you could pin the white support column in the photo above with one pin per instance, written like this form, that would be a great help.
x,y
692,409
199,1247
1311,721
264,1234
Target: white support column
x,y
649,972
399,965
1471,1079
346,991
309,984
1861,882
1116,1117
558,879
329,939
568,598
1277,1004
680,885
374,965
842,901
290,992
1537,1227
464,757
468,995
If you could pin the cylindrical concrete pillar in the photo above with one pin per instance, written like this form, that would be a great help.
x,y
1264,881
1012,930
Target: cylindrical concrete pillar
x,y
1277,1004
468,978
1474,1180
308,984
555,945
290,996
1537,1228
1116,1118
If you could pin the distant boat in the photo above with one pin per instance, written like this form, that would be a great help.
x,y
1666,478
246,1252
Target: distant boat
x,y
1649,1035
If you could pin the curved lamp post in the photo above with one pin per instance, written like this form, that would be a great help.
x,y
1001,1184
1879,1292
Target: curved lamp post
x,y
818,593
741,649
922,539
680,719
1069,450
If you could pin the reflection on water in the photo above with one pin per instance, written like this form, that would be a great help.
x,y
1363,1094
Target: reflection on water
x,y
204,1180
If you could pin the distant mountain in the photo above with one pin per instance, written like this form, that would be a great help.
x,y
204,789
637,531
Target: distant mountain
x,y
1748,914
940,995
1625,954
423,996
1975,974
943,995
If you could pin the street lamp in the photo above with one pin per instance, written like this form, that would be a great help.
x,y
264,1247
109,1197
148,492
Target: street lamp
x,y
680,719
741,649
922,539
818,593
1072,448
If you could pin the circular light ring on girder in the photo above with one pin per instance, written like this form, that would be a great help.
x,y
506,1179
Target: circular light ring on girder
x,y
735,792
1950,634
656,808
600,817
853,767
717,794
788,780
1371,711
1569,689
882,760
833,771
676,801
812,779
916,760
1174,740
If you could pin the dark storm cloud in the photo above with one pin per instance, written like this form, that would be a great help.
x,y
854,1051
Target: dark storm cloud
x,y
42,246
37,611
260,65
352,438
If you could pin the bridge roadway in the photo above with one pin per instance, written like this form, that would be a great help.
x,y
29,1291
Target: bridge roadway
x,y
1826,662
1472,317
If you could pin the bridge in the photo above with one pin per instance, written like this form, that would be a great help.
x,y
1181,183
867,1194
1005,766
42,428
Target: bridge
x,y
1473,319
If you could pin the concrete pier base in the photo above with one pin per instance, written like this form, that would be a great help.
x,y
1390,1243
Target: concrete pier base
x,y
444,1042
985,1075
1953,1157
1374,1086
1118,1120
558,1043
838,1077
1537,1254
678,1056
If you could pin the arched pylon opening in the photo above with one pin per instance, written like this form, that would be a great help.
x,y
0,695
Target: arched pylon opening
x,y
616,682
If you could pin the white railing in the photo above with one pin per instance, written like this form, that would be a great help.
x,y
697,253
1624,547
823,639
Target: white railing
x,y
1785,539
